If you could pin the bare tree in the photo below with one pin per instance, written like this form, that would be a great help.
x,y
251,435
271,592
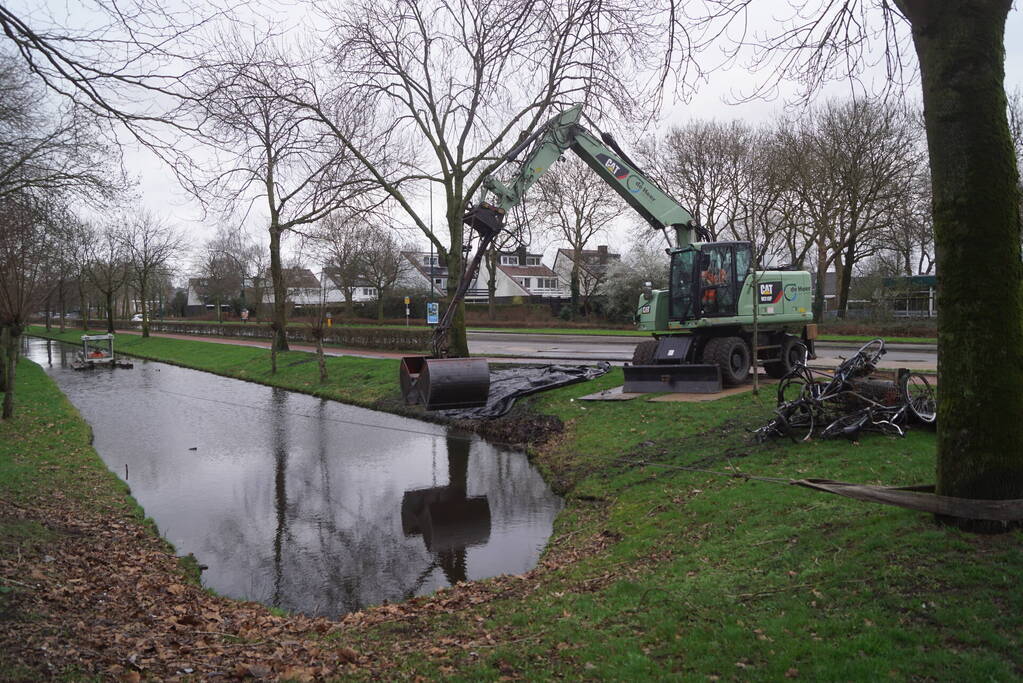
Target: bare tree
x,y
877,159
446,87
576,206
107,266
340,240
960,53
27,246
43,148
381,263
220,266
149,245
701,162
264,148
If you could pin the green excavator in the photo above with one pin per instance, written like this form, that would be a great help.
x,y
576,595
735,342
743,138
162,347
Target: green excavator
x,y
702,326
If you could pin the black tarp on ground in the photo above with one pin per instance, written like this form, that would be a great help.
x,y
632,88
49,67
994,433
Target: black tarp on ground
x,y
511,383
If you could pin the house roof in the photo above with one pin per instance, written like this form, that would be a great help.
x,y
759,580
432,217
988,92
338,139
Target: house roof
x,y
589,259
299,278
527,271
416,259
589,256
334,275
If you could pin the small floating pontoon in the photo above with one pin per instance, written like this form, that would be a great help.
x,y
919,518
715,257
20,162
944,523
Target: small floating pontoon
x,y
95,353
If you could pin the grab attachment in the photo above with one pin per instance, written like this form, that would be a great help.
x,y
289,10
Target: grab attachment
x,y
443,383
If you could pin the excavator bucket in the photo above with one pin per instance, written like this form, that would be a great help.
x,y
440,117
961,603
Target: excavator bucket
x,y
682,378
444,383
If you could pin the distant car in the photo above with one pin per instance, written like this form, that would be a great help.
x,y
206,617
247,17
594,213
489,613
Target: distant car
x,y
137,318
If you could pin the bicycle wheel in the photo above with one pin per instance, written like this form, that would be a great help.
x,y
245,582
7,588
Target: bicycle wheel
x,y
848,426
919,397
797,387
872,351
798,419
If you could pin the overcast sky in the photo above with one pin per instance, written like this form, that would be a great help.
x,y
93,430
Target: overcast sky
x,y
161,194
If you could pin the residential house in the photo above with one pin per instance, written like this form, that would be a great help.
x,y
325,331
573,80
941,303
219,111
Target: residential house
x,y
200,297
519,273
333,285
593,268
303,287
426,267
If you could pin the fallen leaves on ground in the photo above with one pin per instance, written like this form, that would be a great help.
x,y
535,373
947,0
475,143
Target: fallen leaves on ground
x,y
108,598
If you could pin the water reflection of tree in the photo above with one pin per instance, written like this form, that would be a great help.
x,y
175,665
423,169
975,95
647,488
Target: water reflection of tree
x,y
306,508
447,518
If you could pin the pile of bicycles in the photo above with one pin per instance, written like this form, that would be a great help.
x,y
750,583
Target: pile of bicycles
x,y
844,403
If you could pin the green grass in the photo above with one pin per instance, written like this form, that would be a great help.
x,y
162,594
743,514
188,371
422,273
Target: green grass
x,y
46,448
590,331
659,572
360,381
866,338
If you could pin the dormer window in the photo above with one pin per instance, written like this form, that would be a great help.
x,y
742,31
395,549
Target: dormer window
x,y
507,260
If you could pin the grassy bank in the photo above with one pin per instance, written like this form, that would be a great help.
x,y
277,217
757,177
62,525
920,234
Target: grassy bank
x,y
658,572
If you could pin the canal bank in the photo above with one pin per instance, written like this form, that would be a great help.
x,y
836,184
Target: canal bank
x,y
301,503
654,572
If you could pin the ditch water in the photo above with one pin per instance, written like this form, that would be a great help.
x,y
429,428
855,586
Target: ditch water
x,y
302,503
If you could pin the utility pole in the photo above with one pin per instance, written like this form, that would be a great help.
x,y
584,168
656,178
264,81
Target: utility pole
x,y
431,241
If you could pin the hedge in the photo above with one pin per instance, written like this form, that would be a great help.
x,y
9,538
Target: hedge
x,y
389,338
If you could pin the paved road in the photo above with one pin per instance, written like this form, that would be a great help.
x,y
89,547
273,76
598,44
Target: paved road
x,y
524,348
619,349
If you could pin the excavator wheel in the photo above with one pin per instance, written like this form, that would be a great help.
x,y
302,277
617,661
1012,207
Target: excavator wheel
x,y
644,353
731,355
790,354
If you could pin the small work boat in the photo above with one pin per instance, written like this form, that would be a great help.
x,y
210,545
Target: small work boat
x,y
95,353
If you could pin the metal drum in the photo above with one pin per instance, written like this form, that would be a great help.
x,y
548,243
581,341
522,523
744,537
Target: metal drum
x,y
444,383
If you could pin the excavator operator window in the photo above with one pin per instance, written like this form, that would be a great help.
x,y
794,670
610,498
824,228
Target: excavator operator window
x,y
717,280
682,268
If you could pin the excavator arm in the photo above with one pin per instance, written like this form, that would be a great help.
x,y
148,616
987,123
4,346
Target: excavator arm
x,y
548,145
442,382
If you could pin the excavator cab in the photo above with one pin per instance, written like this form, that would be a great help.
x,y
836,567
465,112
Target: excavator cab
x,y
707,278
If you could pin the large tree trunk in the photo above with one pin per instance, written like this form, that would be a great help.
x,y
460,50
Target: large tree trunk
x,y
573,284
280,311
9,338
62,302
458,342
4,332
83,308
821,284
977,247
349,302
110,311
144,309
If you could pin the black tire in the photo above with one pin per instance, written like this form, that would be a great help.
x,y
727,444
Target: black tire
x,y
794,388
791,354
644,353
919,397
847,426
799,420
731,355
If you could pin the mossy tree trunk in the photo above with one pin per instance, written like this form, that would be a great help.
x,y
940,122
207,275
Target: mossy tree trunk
x,y
109,296
573,283
977,243
280,312
458,342
821,282
10,337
